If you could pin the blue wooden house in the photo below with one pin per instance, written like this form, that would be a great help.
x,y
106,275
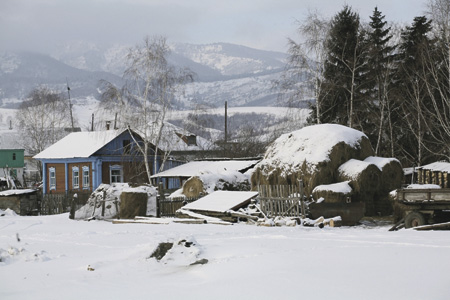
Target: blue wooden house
x,y
81,161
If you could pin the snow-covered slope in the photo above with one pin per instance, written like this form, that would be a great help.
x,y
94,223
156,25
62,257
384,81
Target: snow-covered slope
x,y
21,72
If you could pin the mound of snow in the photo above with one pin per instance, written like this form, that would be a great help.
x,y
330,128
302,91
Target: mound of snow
x,y
110,194
220,180
7,212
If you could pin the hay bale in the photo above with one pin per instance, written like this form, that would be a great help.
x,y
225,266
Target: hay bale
x,y
364,176
391,172
333,193
193,187
313,154
133,204
365,180
391,179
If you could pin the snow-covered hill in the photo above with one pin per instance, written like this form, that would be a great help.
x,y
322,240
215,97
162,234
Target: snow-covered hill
x,y
21,72
225,72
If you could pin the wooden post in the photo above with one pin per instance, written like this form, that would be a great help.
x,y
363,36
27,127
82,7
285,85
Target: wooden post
x,y
103,203
158,199
301,199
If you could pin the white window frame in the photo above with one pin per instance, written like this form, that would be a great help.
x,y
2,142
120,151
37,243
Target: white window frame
x,y
120,175
75,178
85,177
52,179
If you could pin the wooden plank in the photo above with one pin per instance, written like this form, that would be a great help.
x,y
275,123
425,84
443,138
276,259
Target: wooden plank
x,y
440,226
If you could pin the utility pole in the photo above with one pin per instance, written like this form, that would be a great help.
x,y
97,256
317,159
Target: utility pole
x,y
226,128
70,103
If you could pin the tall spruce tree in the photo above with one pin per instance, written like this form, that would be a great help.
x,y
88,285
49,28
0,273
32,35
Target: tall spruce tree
x,y
379,79
342,95
415,45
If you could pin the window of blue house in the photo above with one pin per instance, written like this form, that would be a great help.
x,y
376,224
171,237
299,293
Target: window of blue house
x,y
52,178
115,173
85,177
75,178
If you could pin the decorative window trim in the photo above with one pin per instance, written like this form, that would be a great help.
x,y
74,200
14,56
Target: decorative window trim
x,y
85,174
75,178
117,177
52,179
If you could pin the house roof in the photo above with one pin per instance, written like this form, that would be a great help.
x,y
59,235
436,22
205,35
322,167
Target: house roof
x,y
79,144
10,139
196,168
173,139
441,166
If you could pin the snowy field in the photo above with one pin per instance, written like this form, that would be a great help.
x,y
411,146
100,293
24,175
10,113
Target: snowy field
x,y
47,257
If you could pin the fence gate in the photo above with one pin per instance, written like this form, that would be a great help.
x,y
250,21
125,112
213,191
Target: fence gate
x,y
168,207
280,200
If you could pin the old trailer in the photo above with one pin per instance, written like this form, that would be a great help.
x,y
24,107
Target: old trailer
x,y
419,207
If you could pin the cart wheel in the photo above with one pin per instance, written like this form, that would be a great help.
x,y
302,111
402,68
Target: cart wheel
x,y
414,219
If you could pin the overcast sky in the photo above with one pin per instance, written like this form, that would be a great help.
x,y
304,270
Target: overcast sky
x,y
263,24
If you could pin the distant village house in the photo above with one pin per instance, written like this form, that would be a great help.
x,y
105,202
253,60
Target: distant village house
x,y
81,161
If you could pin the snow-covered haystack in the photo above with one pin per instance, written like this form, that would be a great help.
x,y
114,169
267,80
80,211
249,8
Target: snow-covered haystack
x,y
104,202
391,172
333,193
364,179
208,182
313,154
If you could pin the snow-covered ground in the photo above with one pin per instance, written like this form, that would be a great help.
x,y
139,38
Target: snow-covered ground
x,y
52,259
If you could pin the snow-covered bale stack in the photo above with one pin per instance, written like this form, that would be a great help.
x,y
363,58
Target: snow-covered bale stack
x,y
313,154
391,172
391,179
223,180
105,201
365,180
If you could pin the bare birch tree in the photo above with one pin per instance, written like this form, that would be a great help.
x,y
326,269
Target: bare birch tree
x,y
305,61
42,119
147,97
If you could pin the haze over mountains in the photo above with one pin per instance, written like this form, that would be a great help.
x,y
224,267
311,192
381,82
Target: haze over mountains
x,y
225,72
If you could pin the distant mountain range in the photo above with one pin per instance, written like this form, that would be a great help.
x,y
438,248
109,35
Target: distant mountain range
x,y
225,72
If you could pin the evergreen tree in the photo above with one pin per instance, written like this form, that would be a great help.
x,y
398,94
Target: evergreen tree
x,y
342,95
416,123
379,79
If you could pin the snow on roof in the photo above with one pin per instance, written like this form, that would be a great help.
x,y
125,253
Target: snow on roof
x,y
16,192
441,166
312,143
10,139
197,168
340,187
353,167
172,139
380,162
221,201
79,144
423,186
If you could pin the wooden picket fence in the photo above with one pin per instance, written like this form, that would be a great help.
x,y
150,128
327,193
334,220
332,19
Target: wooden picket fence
x,y
168,207
52,204
280,200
